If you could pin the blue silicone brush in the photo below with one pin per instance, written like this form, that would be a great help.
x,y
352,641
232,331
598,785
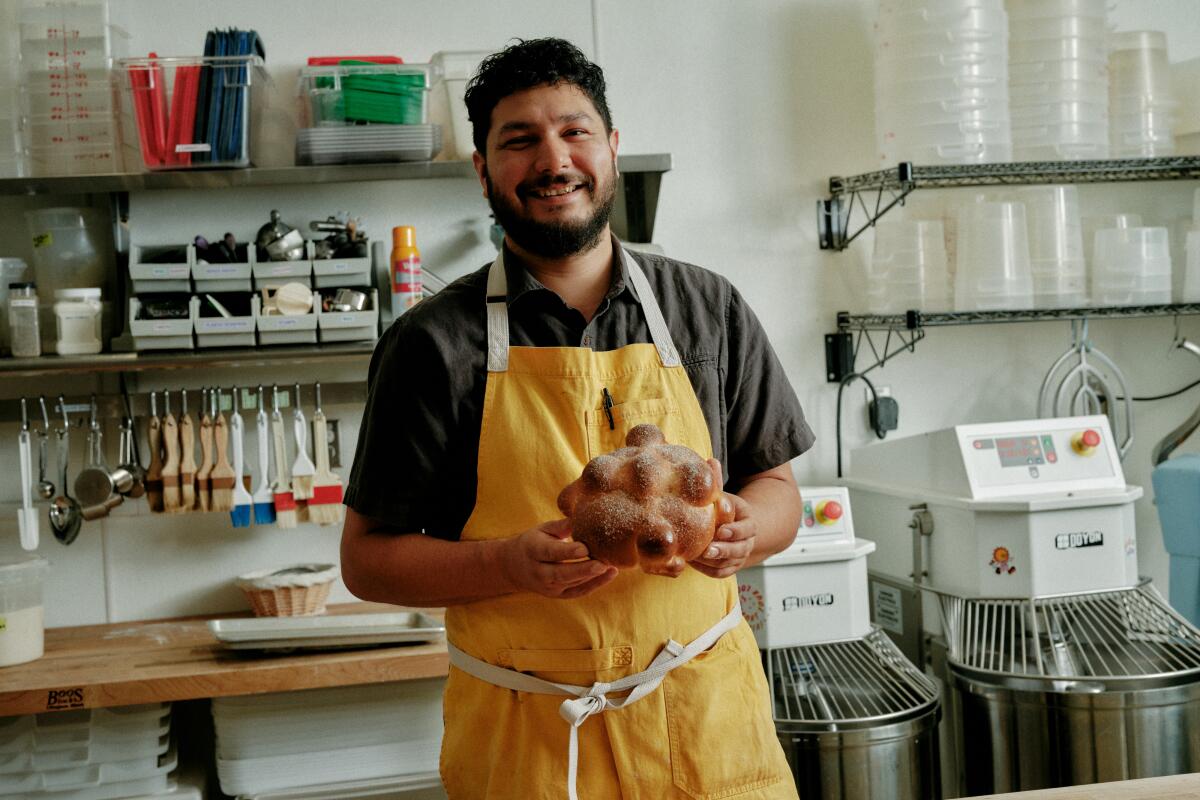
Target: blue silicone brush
x,y
264,497
242,501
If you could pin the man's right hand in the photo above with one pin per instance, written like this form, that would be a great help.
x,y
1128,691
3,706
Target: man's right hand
x,y
541,560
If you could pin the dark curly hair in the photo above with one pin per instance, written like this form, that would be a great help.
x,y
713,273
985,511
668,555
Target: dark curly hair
x,y
524,65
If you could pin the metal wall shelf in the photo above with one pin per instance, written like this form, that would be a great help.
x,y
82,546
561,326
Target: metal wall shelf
x,y
283,355
903,331
888,188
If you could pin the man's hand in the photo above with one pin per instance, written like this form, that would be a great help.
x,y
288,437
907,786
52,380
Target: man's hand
x,y
733,542
540,560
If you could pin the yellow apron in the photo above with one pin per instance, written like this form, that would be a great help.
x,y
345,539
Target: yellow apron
x,y
702,731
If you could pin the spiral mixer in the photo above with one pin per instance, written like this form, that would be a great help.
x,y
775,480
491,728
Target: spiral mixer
x,y
855,718
1060,665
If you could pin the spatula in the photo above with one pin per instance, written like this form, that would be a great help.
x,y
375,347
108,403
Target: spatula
x,y
264,501
285,502
242,501
303,468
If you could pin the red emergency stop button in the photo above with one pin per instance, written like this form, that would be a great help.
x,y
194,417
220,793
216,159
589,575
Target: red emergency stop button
x,y
1085,442
829,512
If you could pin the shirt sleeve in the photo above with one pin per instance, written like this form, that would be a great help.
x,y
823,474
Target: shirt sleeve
x,y
765,426
405,438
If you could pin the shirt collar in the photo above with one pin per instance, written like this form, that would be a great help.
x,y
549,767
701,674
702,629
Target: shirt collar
x,y
521,282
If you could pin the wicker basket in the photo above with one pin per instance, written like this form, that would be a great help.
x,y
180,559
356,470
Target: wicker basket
x,y
296,591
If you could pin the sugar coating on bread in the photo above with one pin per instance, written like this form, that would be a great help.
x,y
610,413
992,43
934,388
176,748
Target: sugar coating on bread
x,y
649,504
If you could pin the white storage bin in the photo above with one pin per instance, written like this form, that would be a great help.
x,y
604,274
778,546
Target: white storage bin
x,y
153,743
349,326
288,328
331,273
236,331
92,780
273,274
97,727
149,278
426,786
249,775
161,334
231,277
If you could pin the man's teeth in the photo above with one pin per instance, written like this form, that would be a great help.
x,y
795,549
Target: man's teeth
x,y
556,192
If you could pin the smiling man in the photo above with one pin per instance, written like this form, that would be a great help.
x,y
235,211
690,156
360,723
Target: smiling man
x,y
569,677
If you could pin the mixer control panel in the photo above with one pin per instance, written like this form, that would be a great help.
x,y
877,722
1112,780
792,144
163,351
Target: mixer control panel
x,y
1069,453
826,517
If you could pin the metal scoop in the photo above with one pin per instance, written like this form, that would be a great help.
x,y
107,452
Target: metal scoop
x,y
66,516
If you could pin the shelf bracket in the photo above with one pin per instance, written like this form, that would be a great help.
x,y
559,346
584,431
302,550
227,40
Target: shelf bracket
x,y
842,348
834,216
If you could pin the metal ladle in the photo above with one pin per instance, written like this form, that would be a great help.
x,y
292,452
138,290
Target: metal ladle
x,y
66,516
45,488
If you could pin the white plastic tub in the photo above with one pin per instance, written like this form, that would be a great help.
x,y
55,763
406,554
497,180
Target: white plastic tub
x,y
22,636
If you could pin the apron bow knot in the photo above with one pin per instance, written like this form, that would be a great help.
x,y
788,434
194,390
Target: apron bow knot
x,y
577,709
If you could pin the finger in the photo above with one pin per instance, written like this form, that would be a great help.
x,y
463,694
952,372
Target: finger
x,y
558,528
726,551
723,571
736,531
563,575
551,550
590,586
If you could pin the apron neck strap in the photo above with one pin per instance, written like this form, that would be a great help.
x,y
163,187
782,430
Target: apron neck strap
x,y
497,313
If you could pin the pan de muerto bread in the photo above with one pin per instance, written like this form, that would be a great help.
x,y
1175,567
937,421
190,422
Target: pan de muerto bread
x,y
649,504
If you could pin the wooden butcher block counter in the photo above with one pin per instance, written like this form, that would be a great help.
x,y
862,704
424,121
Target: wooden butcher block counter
x,y
94,666
1176,787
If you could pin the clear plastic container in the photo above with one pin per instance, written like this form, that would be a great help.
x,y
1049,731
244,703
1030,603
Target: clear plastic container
x,y
934,42
457,68
992,66
919,22
192,112
889,86
22,636
1132,266
365,93
1191,276
1054,71
936,7
1067,27
67,250
12,270
994,270
908,269
24,324
1059,92
1138,64
1035,9
1037,114
1034,49
1094,223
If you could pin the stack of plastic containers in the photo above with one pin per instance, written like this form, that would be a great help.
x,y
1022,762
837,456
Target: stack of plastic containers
x,y
1055,246
96,754
11,156
1132,267
309,739
1141,102
70,113
941,82
1191,276
908,268
994,271
1058,79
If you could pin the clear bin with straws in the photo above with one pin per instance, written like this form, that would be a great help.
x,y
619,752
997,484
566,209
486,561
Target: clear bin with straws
x,y
194,112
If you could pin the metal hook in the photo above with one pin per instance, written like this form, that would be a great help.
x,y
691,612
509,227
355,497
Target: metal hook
x,y
166,402
45,416
317,388
92,421
183,401
154,404
62,406
297,397
236,391
24,416
261,407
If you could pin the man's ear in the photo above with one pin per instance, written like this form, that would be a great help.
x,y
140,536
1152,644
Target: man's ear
x,y
480,170
613,141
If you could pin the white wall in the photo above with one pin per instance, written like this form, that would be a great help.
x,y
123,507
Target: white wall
x,y
759,102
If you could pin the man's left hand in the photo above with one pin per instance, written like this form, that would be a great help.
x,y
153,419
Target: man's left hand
x,y
733,542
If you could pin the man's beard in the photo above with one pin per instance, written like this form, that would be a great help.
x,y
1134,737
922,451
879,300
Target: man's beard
x,y
553,239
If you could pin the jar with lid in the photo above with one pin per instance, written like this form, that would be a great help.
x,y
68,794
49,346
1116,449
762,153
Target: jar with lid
x,y
24,335
77,321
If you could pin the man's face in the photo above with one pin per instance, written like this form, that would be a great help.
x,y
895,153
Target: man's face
x,y
550,174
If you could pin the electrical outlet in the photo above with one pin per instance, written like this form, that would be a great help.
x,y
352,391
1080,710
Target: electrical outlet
x,y
333,438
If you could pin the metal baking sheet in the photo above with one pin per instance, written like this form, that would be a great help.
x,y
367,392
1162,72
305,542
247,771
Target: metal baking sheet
x,y
339,630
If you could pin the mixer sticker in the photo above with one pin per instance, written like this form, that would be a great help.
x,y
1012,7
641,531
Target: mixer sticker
x,y
753,608
1069,541
889,608
1001,563
793,603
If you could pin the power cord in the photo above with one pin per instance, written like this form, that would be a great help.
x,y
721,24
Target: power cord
x,y
879,431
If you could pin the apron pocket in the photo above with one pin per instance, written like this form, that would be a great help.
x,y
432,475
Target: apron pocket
x,y
604,439
719,722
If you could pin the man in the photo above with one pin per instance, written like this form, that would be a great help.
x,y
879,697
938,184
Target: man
x,y
488,398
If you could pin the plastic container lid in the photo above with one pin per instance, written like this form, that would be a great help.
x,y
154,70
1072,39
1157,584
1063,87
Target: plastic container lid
x,y
1138,40
22,285
77,294
23,570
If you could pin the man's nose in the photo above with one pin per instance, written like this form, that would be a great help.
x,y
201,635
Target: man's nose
x,y
554,156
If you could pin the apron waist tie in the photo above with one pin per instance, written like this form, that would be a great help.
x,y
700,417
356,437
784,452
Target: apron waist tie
x,y
587,701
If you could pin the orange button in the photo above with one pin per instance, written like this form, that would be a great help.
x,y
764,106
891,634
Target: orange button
x,y
829,512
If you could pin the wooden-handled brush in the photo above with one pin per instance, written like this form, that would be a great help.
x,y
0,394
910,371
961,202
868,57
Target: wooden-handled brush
x,y
222,472
303,468
203,475
187,457
154,482
285,503
325,506
170,470
242,500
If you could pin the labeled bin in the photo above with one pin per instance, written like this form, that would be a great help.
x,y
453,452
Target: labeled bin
x,y
192,112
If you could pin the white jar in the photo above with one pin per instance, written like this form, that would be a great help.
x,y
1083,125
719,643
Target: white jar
x,y
22,618
77,321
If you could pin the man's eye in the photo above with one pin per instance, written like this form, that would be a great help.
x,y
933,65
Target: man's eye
x,y
517,141
577,132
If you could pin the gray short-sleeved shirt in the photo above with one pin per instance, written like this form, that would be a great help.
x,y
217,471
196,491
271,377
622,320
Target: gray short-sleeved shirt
x,y
414,468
